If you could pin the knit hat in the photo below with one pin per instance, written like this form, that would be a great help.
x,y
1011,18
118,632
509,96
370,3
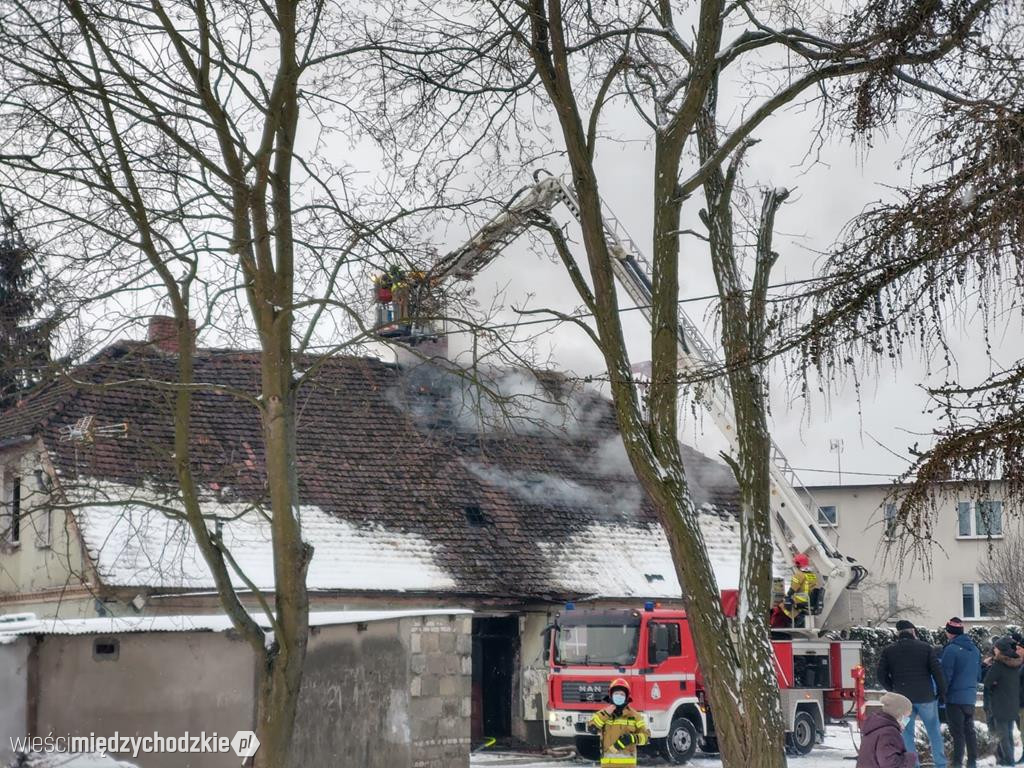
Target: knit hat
x,y
903,625
955,626
895,704
1007,647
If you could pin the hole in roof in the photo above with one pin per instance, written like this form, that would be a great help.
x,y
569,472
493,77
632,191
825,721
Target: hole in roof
x,y
653,577
475,515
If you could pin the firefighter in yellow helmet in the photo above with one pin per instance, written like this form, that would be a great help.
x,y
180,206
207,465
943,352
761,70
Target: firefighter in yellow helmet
x,y
798,597
622,729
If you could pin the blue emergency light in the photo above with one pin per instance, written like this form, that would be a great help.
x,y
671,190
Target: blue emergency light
x,y
648,606
570,606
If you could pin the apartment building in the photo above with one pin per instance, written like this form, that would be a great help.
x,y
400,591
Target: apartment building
x,y
949,573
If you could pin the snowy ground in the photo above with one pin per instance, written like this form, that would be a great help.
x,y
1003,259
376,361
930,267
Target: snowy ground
x,y
838,751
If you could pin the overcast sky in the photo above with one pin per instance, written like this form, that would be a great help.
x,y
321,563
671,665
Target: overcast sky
x,y
828,190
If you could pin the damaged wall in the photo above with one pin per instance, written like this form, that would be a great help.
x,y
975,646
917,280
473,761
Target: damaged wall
x,y
391,693
386,695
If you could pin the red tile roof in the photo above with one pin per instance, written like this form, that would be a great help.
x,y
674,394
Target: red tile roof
x,y
379,449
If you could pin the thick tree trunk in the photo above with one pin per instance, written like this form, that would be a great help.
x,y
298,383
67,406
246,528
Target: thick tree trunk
x,y
281,672
756,736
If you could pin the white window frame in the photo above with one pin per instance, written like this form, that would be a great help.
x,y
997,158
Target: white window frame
x,y
42,514
823,521
973,518
893,590
8,482
889,521
976,588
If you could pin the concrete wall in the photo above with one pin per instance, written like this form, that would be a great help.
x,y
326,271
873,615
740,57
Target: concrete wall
x,y
13,693
169,683
387,694
530,717
935,592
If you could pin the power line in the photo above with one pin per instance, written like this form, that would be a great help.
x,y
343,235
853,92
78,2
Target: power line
x,y
846,472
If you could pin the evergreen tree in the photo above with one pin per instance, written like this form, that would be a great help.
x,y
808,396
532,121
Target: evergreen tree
x,y
21,342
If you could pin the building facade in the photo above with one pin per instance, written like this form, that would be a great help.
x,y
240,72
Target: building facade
x,y
412,498
948,563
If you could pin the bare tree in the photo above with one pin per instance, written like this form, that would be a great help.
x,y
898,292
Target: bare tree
x,y
880,607
580,59
1004,568
174,151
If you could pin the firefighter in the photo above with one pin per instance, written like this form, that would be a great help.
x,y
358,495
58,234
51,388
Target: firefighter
x,y
798,597
622,729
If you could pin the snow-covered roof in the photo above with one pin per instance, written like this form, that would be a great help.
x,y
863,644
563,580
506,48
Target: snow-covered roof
x,y
28,624
404,487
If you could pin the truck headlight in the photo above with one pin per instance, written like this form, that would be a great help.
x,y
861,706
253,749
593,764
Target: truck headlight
x,y
553,718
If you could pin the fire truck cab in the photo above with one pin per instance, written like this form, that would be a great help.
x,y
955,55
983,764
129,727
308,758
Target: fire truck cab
x,y
653,649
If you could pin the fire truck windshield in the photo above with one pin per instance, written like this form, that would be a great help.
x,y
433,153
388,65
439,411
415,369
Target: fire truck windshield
x,y
596,644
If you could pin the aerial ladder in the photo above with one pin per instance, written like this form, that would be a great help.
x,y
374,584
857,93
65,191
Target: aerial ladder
x,y
794,514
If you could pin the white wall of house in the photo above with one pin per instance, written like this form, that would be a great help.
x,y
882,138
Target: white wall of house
x,y
39,553
958,548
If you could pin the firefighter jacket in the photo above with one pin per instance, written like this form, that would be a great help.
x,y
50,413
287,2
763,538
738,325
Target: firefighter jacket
x,y
800,586
612,725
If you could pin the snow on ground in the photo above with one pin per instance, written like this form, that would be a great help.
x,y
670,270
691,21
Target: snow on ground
x,y
63,760
838,751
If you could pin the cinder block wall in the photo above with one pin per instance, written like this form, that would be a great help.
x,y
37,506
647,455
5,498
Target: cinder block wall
x,y
441,668
387,694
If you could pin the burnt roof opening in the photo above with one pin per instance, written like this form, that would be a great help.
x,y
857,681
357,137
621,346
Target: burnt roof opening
x,y
475,516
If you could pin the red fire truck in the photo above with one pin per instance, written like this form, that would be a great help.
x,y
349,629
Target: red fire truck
x,y
653,649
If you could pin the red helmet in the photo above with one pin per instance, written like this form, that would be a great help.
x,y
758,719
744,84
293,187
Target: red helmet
x,y
800,560
619,682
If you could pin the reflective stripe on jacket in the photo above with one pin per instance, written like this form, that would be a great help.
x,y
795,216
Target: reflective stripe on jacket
x,y
614,726
802,584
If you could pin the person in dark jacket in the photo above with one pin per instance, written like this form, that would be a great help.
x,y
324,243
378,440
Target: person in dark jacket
x,y
911,668
1002,686
961,666
881,744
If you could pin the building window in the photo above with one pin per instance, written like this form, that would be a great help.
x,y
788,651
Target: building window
x,y
894,598
889,512
12,511
42,517
982,601
982,519
828,516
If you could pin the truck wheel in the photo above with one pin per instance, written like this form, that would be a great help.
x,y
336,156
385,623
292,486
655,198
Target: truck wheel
x,y
801,740
588,747
680,744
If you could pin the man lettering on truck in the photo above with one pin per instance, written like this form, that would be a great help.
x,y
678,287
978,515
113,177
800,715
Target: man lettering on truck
x,y
622,729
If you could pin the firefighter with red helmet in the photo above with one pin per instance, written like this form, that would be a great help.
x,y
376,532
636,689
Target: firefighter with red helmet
x,y
798,597
622,729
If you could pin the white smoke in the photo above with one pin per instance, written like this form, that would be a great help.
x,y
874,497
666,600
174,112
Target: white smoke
x,y
546,489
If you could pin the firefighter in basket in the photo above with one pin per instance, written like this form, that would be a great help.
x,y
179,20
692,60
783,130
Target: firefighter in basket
x,y
622,729
797,603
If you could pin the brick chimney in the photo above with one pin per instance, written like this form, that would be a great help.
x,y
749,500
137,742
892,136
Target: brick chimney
x,y
163,333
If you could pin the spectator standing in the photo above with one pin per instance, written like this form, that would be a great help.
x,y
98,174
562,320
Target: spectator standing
x,y
881,743
961,666
911,668
1002,686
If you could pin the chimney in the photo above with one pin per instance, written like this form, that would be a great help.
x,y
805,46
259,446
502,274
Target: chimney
x,y
163,333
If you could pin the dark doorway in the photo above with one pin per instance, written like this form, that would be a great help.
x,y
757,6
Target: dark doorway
x,y
495,646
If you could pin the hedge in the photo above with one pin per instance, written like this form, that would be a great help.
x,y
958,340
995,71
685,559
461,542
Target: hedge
x,y
874,639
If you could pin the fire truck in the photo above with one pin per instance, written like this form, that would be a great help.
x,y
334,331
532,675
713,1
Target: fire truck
x,y
653,649
817,677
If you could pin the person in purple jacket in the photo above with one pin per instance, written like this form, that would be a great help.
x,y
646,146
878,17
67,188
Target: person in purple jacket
x,y
881,744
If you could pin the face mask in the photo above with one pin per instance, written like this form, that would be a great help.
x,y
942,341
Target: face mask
x,y
904,720
618,698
